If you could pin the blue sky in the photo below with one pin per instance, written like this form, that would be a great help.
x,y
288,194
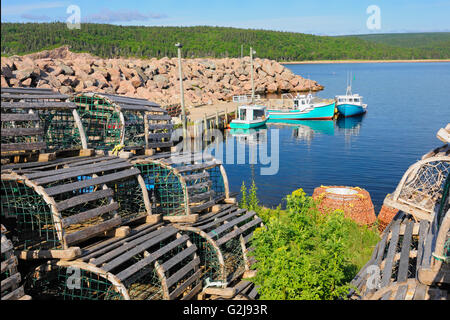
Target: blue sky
x,y
323,17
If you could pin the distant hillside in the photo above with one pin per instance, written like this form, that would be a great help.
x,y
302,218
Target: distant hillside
x,y
432,42
202,41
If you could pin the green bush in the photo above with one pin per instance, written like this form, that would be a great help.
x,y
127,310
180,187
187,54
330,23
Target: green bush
x,y
304,254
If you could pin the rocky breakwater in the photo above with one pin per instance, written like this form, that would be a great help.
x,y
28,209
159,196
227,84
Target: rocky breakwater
x,y
205,80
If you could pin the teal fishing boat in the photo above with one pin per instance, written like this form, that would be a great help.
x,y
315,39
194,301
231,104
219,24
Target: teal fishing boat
x,y
350,105
305,107
249,117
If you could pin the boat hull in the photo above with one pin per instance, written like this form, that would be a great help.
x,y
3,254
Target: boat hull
x,y
242,125
350,110
325,112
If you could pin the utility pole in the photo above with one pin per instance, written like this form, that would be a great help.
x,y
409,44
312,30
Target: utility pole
x,y
183,110
252,79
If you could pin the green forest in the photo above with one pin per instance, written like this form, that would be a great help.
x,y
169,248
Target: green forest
x,y
202,41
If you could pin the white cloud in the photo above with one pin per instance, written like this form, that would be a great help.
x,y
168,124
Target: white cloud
x,y
110,16
21,9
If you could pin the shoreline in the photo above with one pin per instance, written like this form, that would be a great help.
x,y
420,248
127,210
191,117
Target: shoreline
x,y
364,61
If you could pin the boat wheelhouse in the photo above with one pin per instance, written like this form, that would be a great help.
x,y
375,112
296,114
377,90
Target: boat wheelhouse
x,y
349,105
250,116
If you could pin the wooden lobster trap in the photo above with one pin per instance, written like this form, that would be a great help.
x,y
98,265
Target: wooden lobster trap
x,y
223,238
153,262
11,288
181,188
112,120
53,206
412,259
36,121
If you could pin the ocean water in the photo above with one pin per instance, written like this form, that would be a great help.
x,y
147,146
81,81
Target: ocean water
x,y
407,104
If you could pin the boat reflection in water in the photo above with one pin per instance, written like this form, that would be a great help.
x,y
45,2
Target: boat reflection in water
x,y
306,129
249,136
350,125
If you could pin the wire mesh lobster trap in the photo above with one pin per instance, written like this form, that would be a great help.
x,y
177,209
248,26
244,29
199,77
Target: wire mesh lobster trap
x,y
180,186
421,186
38,120
111,120
223,240
152,263
412,259
55,205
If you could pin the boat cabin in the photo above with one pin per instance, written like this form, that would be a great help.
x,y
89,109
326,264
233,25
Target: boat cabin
x,y
302,101
252,113
351,99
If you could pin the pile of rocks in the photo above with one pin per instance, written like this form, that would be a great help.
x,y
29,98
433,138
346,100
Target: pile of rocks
x,y
205,80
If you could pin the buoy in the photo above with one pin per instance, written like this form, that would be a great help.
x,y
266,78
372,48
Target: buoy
x,y
354,201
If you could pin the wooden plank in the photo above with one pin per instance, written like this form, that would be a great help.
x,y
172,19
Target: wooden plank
x,y
12,132
39,105
404,255
228,225
159,136
386,295
112,251
199,186
420,292
89,232
89,214
83,172
34,96
15,295
182,272
136,250
23,146
202,206
52,191
196,167
158,117
10,282
426,256
26,90
180,289
147,260
84,198
136,107
201,196
238,231
9,263
179,257
423,229
19,117
160,144
387,271
253,293
401,292
160,126
382,247
226,293
197,176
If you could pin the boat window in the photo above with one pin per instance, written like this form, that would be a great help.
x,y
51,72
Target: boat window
x,y
350,99
257,114
296,103
242,114
356,100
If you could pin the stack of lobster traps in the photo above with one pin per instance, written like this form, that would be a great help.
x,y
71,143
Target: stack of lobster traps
x,y
87,223
412,260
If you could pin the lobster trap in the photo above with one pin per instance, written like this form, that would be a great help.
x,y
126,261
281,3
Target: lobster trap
x,y
421,185
412,261
10,277
181,187
38,120
223,239
152,263
49,207
111,120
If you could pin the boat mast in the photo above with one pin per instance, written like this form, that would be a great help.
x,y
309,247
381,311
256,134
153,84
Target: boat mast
x,y
252,79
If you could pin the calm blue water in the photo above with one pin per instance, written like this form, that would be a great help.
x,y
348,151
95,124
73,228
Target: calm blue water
x,y
407,104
